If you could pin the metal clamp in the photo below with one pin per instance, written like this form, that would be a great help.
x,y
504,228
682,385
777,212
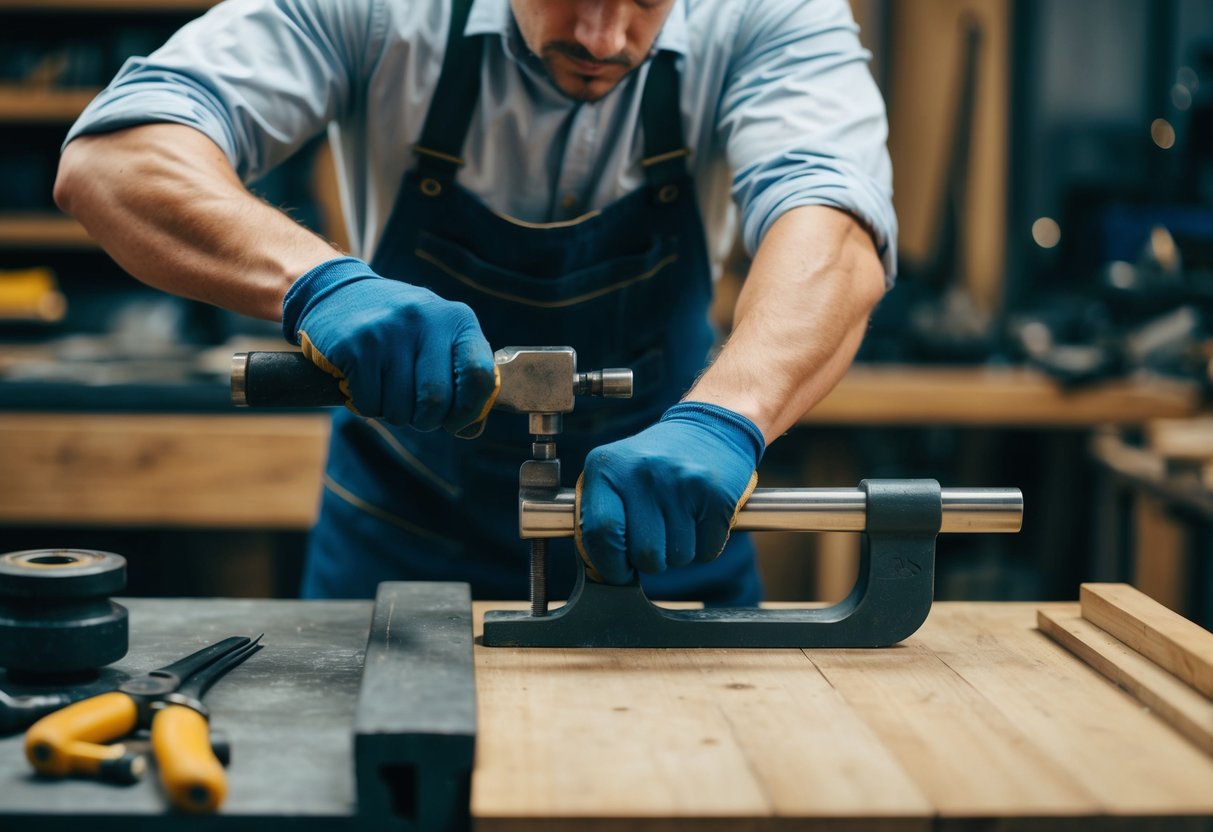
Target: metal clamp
x,y
900,520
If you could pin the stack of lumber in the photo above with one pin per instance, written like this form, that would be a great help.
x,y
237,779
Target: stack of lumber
x,y
1157,655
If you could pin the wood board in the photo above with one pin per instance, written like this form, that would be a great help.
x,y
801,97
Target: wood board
x,y
978,716
1161,635
1164,694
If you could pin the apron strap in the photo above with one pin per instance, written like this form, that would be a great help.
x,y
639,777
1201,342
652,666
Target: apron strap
x,y
665,150
440,150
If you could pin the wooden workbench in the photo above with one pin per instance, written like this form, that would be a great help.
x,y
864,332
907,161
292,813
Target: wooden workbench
x,y
978,721
977,716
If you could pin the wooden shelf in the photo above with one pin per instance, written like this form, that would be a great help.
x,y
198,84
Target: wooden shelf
x,y
107,6
46,230
19,104
885,394
223,471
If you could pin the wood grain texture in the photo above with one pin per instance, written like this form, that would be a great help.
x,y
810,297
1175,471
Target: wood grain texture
x,y
1161,635
1164,694
239,471
670,739
976,717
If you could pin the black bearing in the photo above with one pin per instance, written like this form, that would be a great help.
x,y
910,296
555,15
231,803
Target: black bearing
x,y
61,573
55,617
62,638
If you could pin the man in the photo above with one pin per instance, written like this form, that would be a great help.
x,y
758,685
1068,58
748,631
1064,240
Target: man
x,y
517,172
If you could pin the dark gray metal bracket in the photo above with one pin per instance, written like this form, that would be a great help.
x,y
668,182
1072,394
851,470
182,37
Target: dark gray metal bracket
x,y
415,725
889,602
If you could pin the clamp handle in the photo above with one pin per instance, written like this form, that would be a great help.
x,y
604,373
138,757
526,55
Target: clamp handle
x,y
282,379
533,380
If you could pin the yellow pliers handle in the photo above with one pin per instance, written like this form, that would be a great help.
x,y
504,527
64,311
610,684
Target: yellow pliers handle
x,y
191,774
69,740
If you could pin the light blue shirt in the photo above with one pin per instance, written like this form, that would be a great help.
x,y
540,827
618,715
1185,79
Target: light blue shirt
x,y
779,109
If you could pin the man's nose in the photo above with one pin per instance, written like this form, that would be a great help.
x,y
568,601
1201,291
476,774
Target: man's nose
x,y
602,28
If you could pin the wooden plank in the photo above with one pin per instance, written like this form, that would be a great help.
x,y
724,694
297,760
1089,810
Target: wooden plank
x,y
884,394
1184,439
1121,758
237,471
676,739
1161,635
1164,694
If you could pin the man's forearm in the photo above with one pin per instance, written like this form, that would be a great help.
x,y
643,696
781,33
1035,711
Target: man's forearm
x,y
800,318
164,202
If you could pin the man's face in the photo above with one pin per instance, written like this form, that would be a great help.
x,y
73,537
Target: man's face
x,y
589,45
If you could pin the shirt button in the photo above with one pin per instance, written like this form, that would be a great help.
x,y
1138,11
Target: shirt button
x,y
569,201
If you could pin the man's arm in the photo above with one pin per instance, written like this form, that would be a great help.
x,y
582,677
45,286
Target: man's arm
x,y
667,496
799,319
165,203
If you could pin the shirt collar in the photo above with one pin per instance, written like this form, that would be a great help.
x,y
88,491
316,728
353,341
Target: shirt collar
x,y
494,17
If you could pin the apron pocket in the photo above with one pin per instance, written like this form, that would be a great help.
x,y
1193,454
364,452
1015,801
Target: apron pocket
x,y
592,310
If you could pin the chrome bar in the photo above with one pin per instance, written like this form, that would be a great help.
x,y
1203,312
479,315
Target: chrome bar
x,y
809,510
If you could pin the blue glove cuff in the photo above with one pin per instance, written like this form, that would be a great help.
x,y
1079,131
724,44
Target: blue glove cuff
x,y
740,431
314,285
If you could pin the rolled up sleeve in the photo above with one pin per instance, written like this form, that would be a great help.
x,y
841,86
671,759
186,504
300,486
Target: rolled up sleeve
x,y
258,77
804,124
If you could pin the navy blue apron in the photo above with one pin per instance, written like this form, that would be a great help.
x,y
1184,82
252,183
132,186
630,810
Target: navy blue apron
x,y
628,286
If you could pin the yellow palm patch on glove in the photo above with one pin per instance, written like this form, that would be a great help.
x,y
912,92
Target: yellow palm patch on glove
x,y
317,357
476,427
590,571
745,495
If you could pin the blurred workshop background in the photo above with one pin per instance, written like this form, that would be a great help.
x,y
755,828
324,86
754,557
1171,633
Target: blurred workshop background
x,y
1052,328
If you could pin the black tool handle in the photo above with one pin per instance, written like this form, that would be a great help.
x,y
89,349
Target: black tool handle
x,y
282,379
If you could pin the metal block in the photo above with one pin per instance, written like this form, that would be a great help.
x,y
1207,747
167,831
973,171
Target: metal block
x,y
415,725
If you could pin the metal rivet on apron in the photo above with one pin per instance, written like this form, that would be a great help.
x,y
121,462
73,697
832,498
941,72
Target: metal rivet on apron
x,y
431,187
668,193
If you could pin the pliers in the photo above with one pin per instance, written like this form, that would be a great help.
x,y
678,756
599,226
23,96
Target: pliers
x,y
168,701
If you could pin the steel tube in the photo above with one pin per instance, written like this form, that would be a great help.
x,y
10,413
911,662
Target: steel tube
x,y
808,510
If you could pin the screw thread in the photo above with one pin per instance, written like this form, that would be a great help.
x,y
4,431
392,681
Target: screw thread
x,y
539,577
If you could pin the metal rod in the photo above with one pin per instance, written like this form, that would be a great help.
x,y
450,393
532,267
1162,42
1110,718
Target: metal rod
x,y
809,510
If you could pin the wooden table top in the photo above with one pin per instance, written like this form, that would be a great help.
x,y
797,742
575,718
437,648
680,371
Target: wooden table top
x,y
978,715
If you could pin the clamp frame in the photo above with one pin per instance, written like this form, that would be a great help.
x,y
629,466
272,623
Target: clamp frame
x,y
889,602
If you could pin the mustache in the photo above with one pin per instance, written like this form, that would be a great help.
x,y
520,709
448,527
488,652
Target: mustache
x,y
575,50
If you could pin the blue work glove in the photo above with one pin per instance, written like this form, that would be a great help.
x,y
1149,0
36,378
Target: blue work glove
x,y
401,352
667,496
